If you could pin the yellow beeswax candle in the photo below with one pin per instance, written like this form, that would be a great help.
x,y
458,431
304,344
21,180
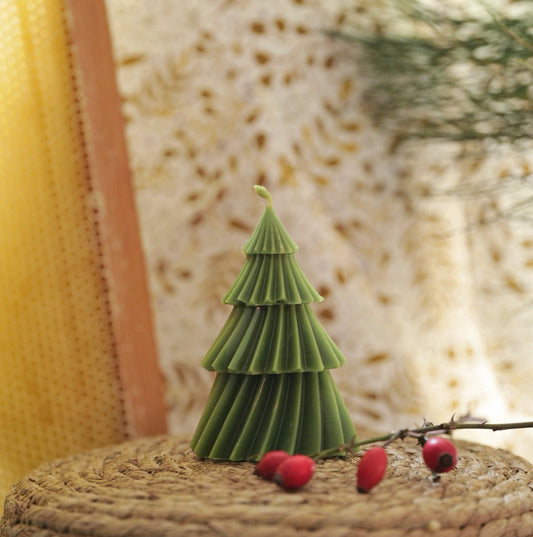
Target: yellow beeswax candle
x,y
60,387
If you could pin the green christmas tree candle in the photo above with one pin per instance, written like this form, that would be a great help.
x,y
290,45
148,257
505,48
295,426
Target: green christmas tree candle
x,y
273,388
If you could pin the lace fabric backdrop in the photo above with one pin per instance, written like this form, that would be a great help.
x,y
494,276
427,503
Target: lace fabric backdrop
x,y
427,282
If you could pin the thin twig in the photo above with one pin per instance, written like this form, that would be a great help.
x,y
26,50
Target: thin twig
x,y
420,432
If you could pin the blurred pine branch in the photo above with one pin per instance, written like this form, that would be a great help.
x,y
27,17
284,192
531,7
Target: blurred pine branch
x,y
449,77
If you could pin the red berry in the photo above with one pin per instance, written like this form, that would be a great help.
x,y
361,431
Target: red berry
x,y
439,454
295,472
371,468
269,463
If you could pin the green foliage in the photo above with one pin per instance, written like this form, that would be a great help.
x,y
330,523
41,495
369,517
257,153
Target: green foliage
x,y
452,77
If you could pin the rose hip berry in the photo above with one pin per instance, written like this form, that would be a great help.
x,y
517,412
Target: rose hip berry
x,y
294,472
267,466
439,454
371,468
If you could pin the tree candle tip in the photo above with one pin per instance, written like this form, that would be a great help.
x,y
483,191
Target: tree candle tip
x,y
264,193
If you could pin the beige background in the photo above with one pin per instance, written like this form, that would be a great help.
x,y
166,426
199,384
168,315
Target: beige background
x,y
428,294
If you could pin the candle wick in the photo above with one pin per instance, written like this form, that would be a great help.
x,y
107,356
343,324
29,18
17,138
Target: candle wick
x,y
264,193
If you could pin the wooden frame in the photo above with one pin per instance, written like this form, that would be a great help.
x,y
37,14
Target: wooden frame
x,y
103,127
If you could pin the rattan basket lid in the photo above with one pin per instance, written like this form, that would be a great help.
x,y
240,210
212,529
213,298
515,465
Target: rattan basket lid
x,y
158,488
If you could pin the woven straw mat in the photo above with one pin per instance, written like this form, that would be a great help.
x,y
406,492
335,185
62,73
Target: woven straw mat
x,y
159,488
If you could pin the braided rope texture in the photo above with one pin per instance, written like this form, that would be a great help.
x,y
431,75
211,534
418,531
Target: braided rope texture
x,y
158,488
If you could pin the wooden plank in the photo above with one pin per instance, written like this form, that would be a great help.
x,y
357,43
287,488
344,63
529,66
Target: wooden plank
x,y
125,272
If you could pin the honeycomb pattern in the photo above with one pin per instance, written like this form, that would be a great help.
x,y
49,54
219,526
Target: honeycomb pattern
x,y
60,390
426,288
